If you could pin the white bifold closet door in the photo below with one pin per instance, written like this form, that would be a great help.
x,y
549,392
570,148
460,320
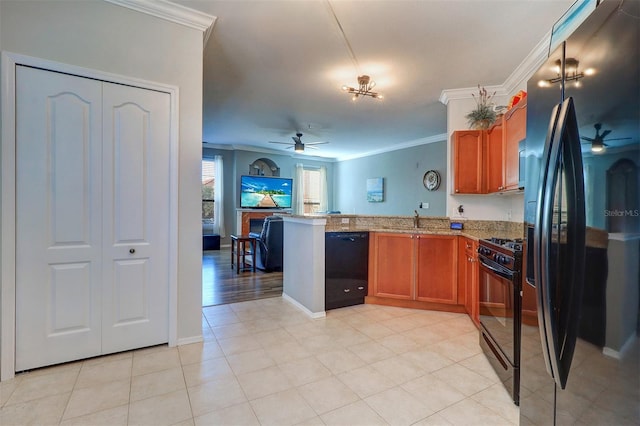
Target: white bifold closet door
x,y
92,217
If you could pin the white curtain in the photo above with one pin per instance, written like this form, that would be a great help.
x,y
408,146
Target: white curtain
x,y
324,198
218,198
298,187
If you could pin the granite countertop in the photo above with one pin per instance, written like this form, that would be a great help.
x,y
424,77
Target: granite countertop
x,y
427,225
473,234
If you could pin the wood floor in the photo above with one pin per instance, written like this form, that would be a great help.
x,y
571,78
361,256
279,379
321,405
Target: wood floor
x,y
221,284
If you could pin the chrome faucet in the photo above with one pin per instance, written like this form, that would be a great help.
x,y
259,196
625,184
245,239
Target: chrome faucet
x,y
416,219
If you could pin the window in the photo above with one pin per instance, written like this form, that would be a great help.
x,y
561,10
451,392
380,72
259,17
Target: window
x,y
208,181
312,191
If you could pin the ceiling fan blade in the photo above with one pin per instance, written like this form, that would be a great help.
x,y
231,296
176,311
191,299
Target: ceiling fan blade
x,y
605,133
618,139
281,143
587,139
315,143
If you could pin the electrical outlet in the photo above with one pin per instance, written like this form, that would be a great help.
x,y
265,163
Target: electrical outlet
x,y
424,205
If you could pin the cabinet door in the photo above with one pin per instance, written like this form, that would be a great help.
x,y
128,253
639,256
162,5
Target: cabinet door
x,y
515,130
391,260
494,163
436,272
468,161
472,276
462,270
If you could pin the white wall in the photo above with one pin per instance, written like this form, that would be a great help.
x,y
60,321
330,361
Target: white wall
x,y
480,207
105,37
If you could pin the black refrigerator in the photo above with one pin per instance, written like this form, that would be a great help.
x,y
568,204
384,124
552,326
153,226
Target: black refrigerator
x,y
580,352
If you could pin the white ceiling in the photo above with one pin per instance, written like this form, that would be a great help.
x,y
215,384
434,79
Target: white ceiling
x,y
273,67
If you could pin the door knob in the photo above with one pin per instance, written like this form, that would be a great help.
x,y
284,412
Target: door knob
x,y
132,250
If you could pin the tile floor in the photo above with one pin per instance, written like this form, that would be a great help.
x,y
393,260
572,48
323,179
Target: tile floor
x,y
264,362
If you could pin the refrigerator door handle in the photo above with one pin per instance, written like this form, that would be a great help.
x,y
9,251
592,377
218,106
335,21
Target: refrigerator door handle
x,y
562,278
540,237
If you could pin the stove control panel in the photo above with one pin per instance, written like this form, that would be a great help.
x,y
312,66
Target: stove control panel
x,y
505,253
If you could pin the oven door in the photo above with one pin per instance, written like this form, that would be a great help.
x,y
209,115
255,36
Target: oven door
x,y
500,307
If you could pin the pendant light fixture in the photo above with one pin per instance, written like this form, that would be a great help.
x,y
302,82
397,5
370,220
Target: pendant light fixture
x,y
365,84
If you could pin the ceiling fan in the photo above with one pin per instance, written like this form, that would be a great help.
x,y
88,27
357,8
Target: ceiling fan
x,y
597,142
297,144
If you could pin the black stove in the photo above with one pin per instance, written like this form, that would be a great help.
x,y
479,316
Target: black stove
x,y
500,262
504,252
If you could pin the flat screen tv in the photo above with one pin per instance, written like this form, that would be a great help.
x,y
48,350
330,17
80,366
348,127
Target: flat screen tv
x,y
262,192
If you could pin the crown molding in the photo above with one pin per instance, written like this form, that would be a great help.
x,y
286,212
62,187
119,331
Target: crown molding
x,y
252,148
529,65
172,12
523,72
417,142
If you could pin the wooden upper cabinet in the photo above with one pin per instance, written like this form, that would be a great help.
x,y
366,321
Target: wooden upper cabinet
x,y
391,260
468,159
495,157
487,161
515,130
436,274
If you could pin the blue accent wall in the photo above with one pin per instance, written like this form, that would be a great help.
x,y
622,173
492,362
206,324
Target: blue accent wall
x,y
402,171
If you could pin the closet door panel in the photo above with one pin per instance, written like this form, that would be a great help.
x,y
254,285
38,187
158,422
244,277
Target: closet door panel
x,y
136,223
58,217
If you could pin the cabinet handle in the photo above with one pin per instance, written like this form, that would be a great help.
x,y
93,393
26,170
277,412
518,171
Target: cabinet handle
x,y
132,250
360,288
457,190
347,290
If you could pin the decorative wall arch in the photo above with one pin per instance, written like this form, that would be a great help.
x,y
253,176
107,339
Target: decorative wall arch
x,y
264,167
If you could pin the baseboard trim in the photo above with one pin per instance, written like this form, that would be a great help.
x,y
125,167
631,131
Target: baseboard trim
x,y
189,340
314,315
623,349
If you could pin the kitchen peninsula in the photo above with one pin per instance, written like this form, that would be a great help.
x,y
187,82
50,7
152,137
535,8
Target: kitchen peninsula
x,y
431,244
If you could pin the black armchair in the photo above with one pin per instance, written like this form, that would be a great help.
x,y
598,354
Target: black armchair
x,y
269,244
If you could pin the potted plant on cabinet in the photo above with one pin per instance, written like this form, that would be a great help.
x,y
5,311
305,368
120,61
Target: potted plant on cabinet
x,y
483,116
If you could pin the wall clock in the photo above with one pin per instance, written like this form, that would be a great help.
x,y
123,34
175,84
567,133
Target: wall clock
x,y
431,180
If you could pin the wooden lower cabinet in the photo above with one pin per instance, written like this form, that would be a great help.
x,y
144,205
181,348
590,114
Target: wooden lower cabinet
x,y
468,276
391,255
416,268
436,278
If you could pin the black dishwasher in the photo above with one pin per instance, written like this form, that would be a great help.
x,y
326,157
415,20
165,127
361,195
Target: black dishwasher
x,y
346,268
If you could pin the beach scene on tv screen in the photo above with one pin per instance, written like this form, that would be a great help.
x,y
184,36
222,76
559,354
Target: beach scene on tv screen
x,y
265,192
